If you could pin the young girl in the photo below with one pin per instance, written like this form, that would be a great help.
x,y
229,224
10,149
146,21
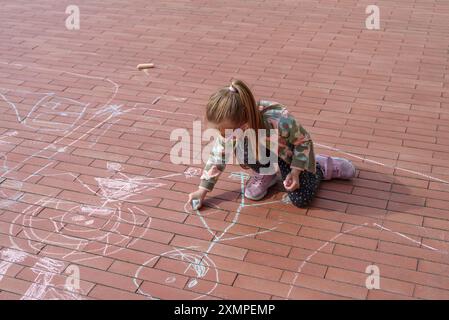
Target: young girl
x,y
233,108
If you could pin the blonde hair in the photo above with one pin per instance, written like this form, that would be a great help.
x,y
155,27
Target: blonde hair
x,y
235,103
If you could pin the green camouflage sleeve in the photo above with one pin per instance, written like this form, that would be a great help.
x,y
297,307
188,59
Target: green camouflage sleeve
x,y
215,164
297,136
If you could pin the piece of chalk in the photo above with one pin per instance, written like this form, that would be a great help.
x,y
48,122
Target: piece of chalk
x,y
143,66
195,204
156,100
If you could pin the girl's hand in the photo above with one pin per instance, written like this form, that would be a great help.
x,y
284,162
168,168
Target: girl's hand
x,y
291,182
196,198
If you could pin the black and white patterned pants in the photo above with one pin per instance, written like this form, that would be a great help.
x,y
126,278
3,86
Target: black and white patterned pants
x,y
309,182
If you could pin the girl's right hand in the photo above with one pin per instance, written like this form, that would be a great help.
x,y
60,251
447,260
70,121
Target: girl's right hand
x,y
199,196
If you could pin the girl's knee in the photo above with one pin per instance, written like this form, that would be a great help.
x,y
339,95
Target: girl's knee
x,y
298,200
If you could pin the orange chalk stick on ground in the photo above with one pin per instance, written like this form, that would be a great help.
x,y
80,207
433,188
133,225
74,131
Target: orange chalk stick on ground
x,y
143,66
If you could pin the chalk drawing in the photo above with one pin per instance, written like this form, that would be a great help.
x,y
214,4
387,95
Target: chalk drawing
x,y
317,251
45,270
42,287
78,225
365,159
85,224
46,105
112,109
192,172
308,258
114,166
3,155
75,123
3,161
70,231
114,191
199,262
8,258
124,189
405,237
170,280
196,266
104,219
8,196
49,104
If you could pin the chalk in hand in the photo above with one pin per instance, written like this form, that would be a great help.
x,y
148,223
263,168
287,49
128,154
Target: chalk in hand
x,y
195,204
143,66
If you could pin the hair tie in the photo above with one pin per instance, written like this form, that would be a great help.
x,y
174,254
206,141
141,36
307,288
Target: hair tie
x,y
232,89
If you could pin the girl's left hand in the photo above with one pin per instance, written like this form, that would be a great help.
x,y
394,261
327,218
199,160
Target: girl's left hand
x,y
291,182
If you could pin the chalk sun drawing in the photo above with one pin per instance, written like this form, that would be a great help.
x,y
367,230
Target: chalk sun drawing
x,y
105,220
98,226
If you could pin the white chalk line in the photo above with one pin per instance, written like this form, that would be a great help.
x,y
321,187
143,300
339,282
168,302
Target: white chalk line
x,y
115,91
164,111
348,231
408,238
317,251
219,238
112,230
46,96
45,270
334,238
123,185
108,233
101,123
80,241
364,159
250,234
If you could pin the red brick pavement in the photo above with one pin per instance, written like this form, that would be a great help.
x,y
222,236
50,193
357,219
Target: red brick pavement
x,y
87,182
